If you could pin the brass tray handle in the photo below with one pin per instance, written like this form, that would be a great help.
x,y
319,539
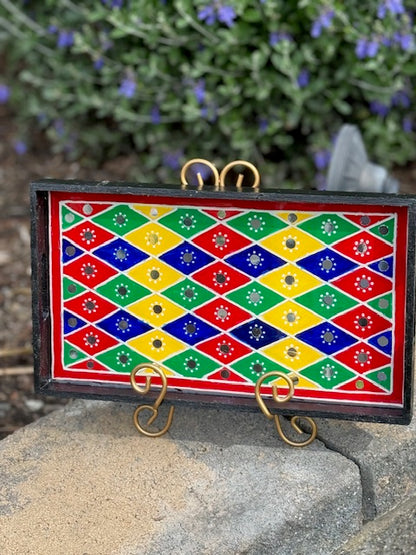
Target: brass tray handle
x,y
154,409
290,380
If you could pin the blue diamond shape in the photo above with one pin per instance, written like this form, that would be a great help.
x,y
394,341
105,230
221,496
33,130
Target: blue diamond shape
x,y
70,251
72,322
384,266
327,264
383,341
327,338
255,261
123,325
120,254
257,334
190,329
186,258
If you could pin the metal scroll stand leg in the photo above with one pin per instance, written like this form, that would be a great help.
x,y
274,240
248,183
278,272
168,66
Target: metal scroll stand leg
x,y
290,380
154,409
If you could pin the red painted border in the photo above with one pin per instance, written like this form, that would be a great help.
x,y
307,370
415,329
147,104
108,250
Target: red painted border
x,y
394,399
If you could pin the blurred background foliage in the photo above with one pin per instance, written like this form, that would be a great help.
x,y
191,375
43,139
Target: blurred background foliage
x,y
270,81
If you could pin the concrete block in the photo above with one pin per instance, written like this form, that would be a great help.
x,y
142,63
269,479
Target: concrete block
x,y
83,481
386,455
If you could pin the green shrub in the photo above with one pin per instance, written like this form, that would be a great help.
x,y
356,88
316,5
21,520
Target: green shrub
x,y
270,81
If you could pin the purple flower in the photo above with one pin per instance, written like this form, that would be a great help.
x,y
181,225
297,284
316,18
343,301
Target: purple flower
x,y
213,12
321,159
226,15
407,124
4,93
303,78
395,7
322,22
263,125
155,115
379,108
401,98
404,40
98,64
113,3
52,29
366,48
65,39
372,48
173,159
207,14
127,87
20,147
199,91
277,36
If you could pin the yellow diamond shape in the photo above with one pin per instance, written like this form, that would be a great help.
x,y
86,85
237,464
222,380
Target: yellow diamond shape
x,y
156,345
294,218
152,211
291,317
155,274
153,238
292,353
290,280
301,383
156,310
291,244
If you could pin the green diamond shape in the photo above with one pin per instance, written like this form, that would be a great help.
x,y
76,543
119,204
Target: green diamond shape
x,y
123,290
191,364
69,218
121,219
188,294
327,373
328,228
256,224
256,365
255,297
72,354
385,230
381,377
71,288
187,221
121,359
326,301
383,304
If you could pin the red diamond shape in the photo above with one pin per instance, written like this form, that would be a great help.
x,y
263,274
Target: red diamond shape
x,y
362,322
221,241
224,348
220,277
363,247
360,384
91,340
90,306
89,365
362,358
226,375
223,314
363,284
88,209
89,270
364,220
87,235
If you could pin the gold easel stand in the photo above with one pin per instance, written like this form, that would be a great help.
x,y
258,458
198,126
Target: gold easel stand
x,y
154,409
290,380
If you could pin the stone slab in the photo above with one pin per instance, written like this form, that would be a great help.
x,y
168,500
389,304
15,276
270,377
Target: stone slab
x,y
385,454
83,481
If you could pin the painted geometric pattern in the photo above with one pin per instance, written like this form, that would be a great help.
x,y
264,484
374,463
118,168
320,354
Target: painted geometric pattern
x,y
219,298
